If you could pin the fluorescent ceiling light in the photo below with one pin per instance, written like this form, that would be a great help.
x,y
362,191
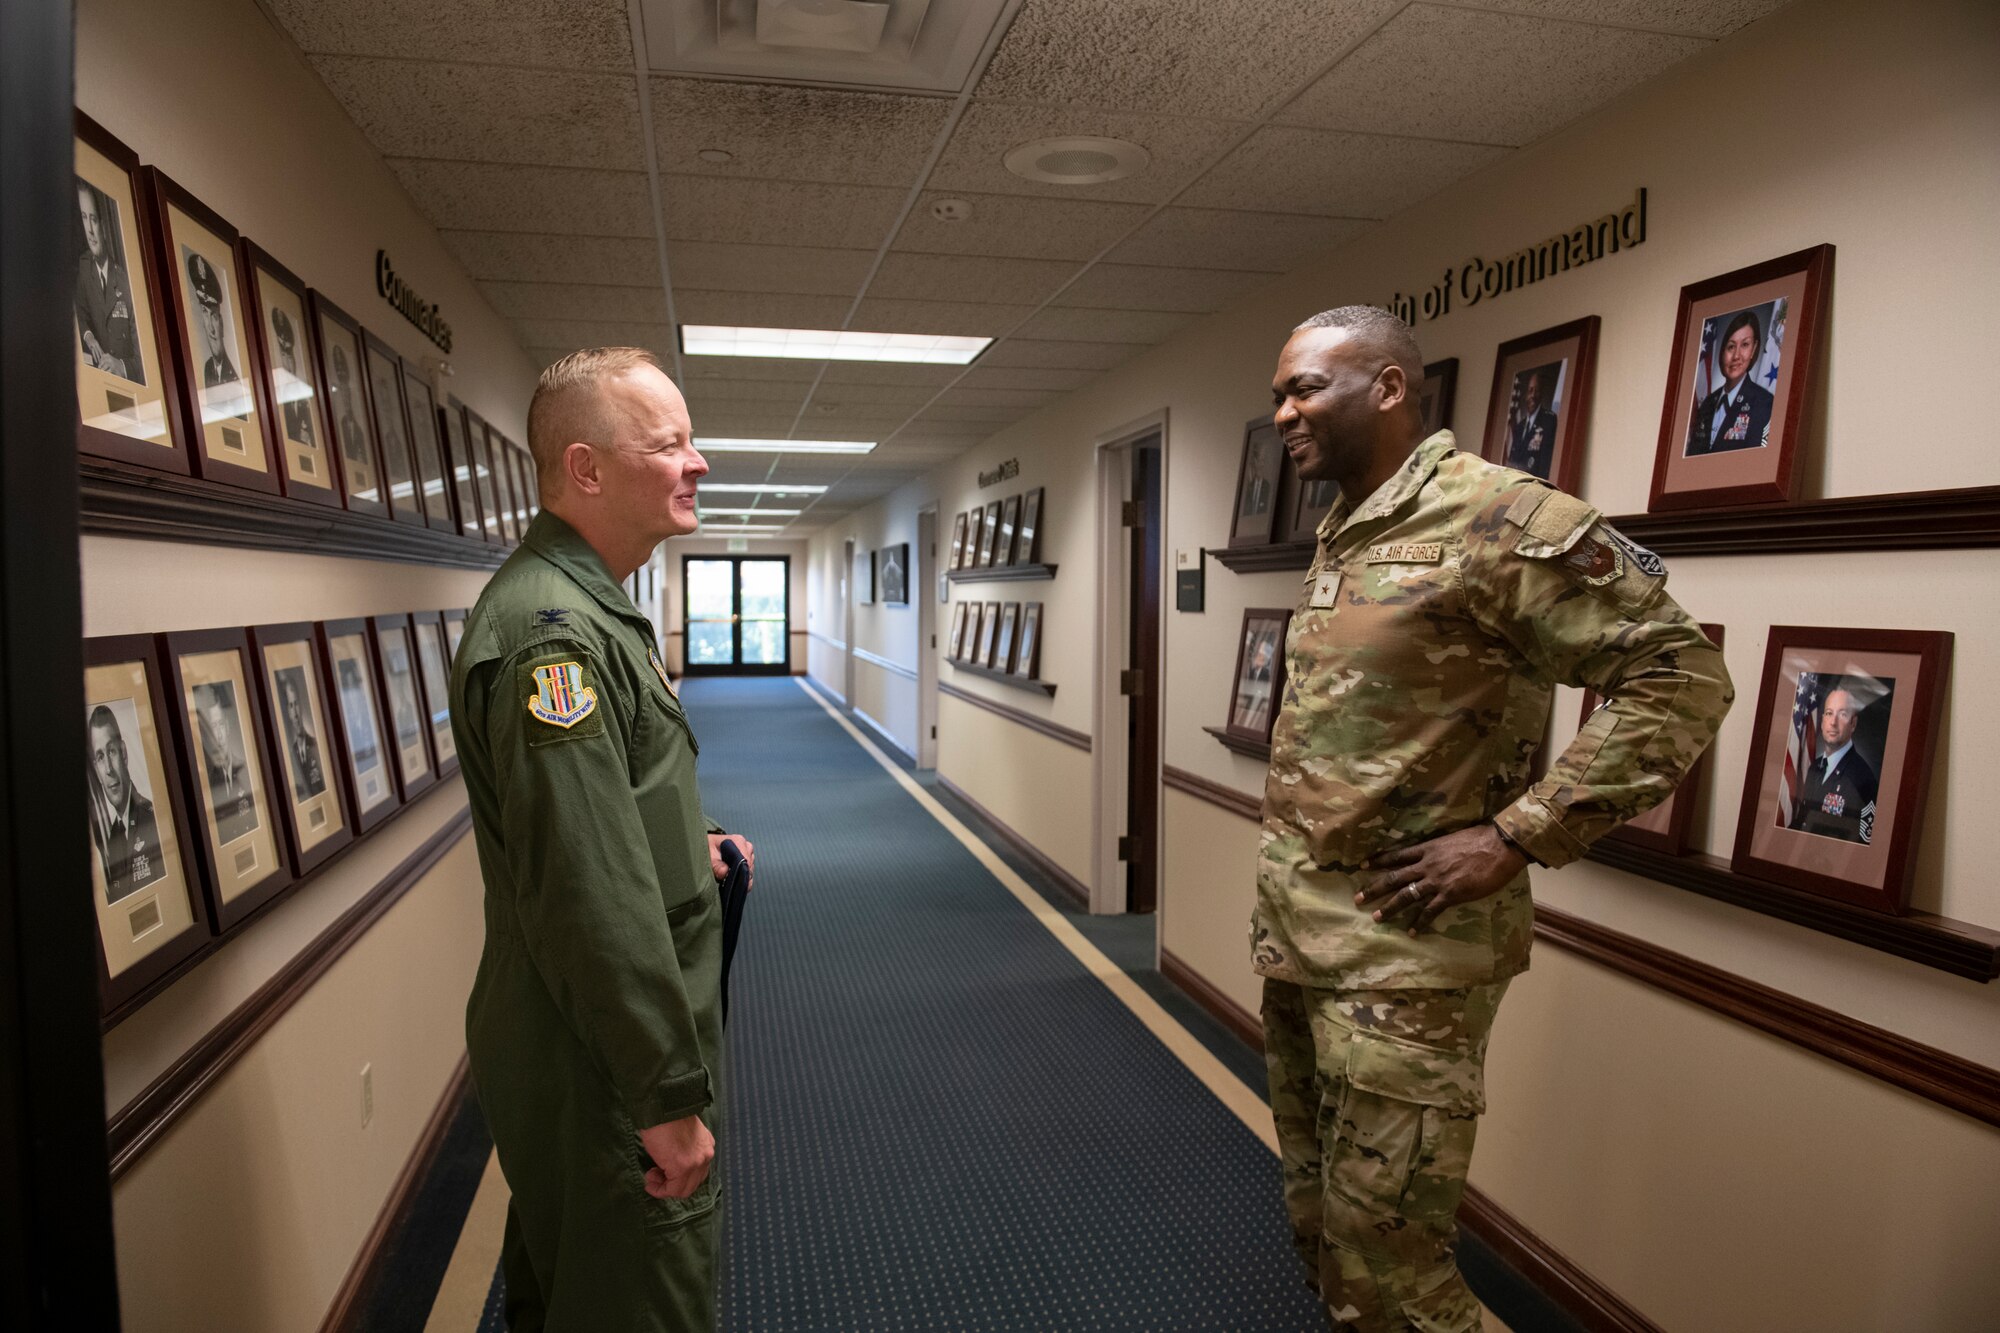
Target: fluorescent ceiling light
x,y
759,488
707,512
829,344
727,445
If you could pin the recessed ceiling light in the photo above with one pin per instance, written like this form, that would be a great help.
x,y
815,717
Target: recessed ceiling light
x,y
716,155
1077,161
707,512
728,445
760,488
829,344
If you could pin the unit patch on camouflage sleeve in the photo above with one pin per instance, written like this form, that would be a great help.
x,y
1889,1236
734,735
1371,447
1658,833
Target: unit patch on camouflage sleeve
x,y
561,699
1595,561
1642,559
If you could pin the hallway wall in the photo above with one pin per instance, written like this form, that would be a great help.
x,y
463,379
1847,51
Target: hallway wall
x,y
1841,122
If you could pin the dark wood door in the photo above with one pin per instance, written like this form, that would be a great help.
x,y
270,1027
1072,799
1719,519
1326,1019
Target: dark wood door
x,y
1142,815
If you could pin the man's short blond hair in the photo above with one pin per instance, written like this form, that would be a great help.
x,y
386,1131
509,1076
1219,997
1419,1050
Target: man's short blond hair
x,y
568,405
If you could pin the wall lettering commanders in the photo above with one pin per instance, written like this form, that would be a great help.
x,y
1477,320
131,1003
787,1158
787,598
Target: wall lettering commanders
x,y
408,304
1007,471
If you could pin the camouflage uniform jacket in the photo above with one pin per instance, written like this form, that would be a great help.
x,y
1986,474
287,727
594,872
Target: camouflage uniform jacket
x,y
1450,602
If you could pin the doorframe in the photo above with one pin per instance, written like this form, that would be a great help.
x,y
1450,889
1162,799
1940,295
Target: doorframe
x,y
738,667
847,624
923,588
1109,757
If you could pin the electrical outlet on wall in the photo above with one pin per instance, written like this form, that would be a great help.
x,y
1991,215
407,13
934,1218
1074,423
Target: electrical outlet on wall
x,y
367,1094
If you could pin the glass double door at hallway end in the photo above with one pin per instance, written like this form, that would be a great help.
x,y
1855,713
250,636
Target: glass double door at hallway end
x,y
736,615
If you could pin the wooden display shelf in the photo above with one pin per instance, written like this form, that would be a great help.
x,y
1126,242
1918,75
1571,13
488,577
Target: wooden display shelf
x,y
1006,677
1260,750
1000,574
1262,559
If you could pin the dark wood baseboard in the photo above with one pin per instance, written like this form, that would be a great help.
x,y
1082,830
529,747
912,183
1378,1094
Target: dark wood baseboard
x,y
141,1123
341,1315
1213,1002
1069,885
1582,1297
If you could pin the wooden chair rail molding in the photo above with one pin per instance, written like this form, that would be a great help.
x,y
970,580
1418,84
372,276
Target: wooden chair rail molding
x,y
1079,740
140,1124
1939,1076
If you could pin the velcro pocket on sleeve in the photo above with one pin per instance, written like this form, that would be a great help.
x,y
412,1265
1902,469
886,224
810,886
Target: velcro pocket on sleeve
x,y
1550,521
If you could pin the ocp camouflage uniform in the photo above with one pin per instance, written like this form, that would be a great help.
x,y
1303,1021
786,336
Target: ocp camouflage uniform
x,y
1438,616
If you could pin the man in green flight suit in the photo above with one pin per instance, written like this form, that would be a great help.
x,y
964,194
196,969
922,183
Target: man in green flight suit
x,y
1446,599
594,1028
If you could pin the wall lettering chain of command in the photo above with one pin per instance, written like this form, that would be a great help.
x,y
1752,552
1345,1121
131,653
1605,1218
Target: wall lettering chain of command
x,y
1007,471
408,304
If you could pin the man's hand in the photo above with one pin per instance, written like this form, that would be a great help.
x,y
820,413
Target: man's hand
x,y
721,867
681,1151
1444,872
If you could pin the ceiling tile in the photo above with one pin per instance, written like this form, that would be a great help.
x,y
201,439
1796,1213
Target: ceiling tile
x,y
1135,287
558,34
767,268
781,132
1059,355
762,212
973,413
1289,170
1011,226
762,310
958,318
544,357
575,333
1217,238
751,368
1488,77
561,300
1707,18
984,376
559,201
901,397
1223,58
889,372
706,398
966,278
486,113
1128,326
1022,400
524,257
975,158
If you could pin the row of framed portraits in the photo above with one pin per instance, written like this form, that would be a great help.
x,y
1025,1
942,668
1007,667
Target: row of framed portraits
x,y
227,764
1844,741
884,574
998,636
198,353
1005,532
1742,368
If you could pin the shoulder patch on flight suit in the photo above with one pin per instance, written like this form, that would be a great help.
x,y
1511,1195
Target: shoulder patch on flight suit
x,y
660,669
560,693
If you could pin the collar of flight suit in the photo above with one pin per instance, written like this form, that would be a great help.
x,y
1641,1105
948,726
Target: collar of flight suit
x,y
1394,493
560,544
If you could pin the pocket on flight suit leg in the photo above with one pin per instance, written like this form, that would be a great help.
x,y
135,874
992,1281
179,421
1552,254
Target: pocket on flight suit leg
x,y
667,1214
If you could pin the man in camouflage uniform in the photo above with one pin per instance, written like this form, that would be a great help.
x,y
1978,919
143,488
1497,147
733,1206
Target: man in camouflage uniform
x,y
1448,596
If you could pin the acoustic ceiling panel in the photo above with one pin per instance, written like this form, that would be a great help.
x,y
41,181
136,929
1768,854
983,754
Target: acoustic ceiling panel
x,y
803,134
487,113
568,300
555,201
527,257
806,270
975,158
1220,238
761,212
1006,226
1145,287
544,34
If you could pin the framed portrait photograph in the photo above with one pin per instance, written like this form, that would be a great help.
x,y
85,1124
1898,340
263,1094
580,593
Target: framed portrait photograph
x,y
1028,537
989,631
485,484
125,382
222,409
1010,521
366,759
229,765
434,674
454,621
428,449
1003,642
989,534
1745,360
896,574
337,339
1539,414
461,467
1259,684
298,720
1306,503
956,647
1028,656
975,623
396,674
526,495
864,578
1846,728
1437,394
1668,826
957,542
392,430
503,485
142,880
282,332
1255,521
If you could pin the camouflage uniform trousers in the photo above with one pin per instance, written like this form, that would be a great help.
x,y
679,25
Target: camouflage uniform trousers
x,y
1376,1096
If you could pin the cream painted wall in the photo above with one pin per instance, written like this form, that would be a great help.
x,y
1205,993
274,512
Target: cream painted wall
x,y
1869,127
1027,780
887,697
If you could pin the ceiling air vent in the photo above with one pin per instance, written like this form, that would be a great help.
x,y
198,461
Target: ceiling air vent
x,y
900,45
822,25
1077,161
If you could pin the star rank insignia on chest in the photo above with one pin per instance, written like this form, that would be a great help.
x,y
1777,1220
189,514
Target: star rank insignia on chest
x,y
660,670
561,698
1406,553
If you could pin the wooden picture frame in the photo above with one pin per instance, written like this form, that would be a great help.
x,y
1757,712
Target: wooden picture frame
x,y
1437,395
403,704
454,621
957,541
288,373
1306,504
1010,521
485,482
1257,689
1737,442
434,678
1668,826
1848,832
392,430
895,571
975,625
225,417
1259,475
955,645
433,473
242,843
350,420
526,494
144,879
1533,425
864,578
127,379
989,629
1028,537
1003,643
461,467
989,533
367,760
1028,656
503,483
298,726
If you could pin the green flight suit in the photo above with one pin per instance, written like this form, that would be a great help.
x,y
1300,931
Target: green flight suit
x,y
596,1010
